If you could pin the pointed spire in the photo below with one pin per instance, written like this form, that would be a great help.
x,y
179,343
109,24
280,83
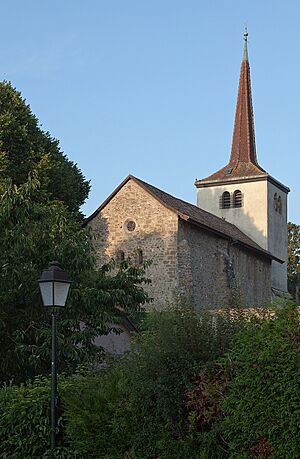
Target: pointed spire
x,y
243,162
243,141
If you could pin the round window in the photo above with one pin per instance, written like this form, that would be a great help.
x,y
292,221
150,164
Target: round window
x,y
130,225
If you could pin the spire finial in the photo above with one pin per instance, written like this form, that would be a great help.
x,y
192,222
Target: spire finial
x,y
245,56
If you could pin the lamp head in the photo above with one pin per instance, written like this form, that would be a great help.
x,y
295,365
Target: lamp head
x,y
54,286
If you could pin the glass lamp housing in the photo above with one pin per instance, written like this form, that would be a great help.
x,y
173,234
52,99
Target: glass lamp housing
x,y
54,286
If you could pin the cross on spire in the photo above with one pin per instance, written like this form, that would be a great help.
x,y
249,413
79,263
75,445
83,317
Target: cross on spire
x,y
245,56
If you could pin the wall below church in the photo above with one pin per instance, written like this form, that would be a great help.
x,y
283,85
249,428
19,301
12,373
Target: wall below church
x,y
155,234
220,273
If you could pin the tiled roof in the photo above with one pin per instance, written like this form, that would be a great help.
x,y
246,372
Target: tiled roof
x,y
194,215
234,170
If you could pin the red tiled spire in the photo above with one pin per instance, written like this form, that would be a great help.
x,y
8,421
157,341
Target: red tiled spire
x,y
243,160
243,140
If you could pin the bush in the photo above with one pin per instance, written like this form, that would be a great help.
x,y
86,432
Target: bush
x,y
95,416
138,409
25,420
262,407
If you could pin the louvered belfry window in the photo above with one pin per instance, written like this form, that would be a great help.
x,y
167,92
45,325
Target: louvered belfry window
x,y
237,199
225,200
279,205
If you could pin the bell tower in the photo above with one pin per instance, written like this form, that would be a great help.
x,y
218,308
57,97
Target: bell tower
x,y
243,193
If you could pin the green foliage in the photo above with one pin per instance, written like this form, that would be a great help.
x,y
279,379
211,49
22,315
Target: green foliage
x,y
140,407
195,386
293,256
96,415
175,344
25,147
32,233
263,404
25,421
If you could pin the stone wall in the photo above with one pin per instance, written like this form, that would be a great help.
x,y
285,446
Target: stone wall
x,y
204,269
155,233
253,276
220,273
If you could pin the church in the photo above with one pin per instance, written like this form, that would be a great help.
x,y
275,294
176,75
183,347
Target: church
x,y
229,248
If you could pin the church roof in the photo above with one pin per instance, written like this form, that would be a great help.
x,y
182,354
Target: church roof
x,y
243,160
193,215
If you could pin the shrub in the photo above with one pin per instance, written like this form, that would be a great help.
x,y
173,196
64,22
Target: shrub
x,y
25,420
143,406
176,345
138,408
95,416
262,407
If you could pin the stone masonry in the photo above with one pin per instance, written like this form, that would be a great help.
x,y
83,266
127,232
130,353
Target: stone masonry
x,y
197,265
221,273
155,234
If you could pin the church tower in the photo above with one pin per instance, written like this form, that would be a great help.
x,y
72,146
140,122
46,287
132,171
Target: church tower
x,y
243,193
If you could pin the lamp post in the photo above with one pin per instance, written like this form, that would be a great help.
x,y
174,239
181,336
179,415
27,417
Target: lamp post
x,y
54,286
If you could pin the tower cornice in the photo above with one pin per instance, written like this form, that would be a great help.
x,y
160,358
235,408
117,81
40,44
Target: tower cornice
x,y
236,180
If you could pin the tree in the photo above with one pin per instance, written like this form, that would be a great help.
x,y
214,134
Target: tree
x,y
293,255
34,231
40,194
25,147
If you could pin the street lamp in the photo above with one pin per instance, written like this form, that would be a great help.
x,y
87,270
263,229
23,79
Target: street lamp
x,y
54,286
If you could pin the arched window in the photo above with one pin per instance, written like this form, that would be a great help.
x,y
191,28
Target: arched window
x,y
225,200
279,204
139,257
275,202
237,199
120,256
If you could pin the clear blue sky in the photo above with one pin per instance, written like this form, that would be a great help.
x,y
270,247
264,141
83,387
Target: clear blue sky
x,y
149,87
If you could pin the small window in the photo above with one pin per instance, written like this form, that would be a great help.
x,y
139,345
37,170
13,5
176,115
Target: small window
x,y
237,199
279,204
120,256
225,200
139,257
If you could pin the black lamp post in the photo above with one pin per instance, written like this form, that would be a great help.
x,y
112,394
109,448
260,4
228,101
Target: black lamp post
x,y
54,285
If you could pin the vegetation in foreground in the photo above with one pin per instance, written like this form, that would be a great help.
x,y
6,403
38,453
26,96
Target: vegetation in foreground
x,y
194,386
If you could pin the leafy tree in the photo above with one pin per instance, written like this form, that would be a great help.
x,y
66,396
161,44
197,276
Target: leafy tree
x,y
25,147
293,255
32,233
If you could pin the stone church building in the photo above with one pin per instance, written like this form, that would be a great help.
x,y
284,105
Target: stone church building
x,y
231,247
